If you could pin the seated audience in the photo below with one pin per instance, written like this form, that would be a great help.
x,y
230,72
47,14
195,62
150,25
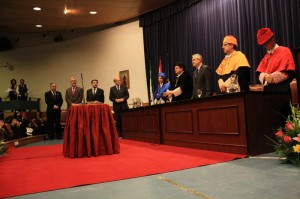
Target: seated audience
x,y
2,131
37,126
21,117
16,129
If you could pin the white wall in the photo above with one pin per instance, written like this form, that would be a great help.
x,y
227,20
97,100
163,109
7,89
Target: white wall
x,y
99,55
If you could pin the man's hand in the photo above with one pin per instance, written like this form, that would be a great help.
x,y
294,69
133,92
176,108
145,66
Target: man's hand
x,y
223,88
167,94
119,100
269,79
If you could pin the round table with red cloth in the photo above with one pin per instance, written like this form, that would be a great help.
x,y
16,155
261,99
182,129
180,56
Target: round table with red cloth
x,y
90,131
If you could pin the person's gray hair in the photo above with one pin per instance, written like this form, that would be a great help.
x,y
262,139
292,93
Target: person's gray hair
x,y
197,55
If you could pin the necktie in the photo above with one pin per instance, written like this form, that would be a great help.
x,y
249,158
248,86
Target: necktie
x,y
73,91
54,95
94,91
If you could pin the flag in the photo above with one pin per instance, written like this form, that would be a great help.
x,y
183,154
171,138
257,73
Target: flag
x,y
151,83
160,66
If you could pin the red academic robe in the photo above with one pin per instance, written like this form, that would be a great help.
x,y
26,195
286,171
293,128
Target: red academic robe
x,y
281,60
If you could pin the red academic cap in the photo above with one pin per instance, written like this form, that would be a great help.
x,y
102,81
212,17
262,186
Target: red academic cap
x,y
263,35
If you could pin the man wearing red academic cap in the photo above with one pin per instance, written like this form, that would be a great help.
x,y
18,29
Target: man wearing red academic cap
x,y
277,68
235,62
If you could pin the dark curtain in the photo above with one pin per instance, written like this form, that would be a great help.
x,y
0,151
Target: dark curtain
x,y
175,32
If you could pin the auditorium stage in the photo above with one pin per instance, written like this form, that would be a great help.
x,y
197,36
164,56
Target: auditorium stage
x,y
233,123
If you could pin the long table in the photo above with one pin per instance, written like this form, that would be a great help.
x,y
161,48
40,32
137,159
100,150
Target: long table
x,y
90,131
233,123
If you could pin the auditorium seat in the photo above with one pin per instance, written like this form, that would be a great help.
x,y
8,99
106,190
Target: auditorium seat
x,y
63,118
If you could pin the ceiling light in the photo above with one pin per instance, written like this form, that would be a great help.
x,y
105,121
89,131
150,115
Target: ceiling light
x,y
93,12
38,26
37,8
66,10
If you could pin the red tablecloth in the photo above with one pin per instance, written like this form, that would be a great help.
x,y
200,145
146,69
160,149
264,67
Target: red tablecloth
x,y
90,131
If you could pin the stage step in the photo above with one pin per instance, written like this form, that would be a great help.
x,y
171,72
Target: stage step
x,y
26,140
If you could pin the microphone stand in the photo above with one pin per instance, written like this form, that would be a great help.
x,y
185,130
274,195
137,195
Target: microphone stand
x,y
82,88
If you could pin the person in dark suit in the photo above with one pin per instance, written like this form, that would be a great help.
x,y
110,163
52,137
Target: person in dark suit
x,y
22,90
74,94
95,93
118,95
182,85
54,101
202,78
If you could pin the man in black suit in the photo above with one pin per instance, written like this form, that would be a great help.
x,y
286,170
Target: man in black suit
x,y
74,94
95,93
118,95
182,85
22,90
54,101
202,78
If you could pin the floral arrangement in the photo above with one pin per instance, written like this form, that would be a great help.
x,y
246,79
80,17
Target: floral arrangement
x,y
288,138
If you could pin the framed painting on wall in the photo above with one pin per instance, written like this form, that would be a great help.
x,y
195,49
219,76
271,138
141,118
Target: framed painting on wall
x,y
124,77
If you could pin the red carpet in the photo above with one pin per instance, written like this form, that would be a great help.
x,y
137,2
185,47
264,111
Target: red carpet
x,y
43,168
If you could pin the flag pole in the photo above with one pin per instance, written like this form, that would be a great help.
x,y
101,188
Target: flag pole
x,y
150,84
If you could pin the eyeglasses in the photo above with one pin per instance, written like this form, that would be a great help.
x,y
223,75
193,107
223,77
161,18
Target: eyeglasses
x,y
226,44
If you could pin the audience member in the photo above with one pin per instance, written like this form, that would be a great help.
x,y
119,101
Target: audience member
x,y
54,101
182,86
277,68
74,94
24,122
202,78
1,112
95,93
37,126
16,129
3,133
22,90
9,131
118,95
235,62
